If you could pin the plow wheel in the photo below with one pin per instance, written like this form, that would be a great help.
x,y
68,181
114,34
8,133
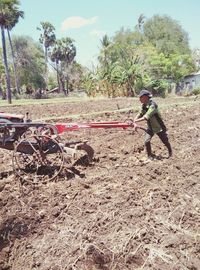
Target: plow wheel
x,y
37,159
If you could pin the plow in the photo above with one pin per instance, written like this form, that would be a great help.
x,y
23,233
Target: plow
x,y
38,152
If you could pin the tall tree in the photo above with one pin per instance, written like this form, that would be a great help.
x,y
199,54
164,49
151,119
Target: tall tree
x,y
2,76
196,57
13,19
105,44
9,13
47,39
166,35
63,54
4,14
30,61
140,23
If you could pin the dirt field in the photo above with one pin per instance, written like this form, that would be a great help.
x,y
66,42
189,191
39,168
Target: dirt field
x,y
117,213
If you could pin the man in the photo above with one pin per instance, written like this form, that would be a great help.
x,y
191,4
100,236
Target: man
x,y
150,113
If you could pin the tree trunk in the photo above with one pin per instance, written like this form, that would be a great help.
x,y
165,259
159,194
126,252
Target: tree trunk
x,y
46,66
67,85
6,66
131,90
62,83
58,77
14,64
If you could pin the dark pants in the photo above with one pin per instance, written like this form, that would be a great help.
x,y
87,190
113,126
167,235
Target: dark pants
x,y
163,137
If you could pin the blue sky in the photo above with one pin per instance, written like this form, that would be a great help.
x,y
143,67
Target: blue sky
x,y
86,21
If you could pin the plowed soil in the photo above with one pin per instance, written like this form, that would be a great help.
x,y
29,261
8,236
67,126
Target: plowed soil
x,y
119,212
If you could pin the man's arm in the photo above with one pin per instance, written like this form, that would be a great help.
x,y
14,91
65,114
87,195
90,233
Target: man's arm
x,y
140,119
139,116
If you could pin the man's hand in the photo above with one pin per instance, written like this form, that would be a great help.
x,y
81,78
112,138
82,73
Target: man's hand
x,y
140,119
135,127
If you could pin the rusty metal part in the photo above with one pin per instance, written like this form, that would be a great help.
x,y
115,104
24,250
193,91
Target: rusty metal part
x,y
88,149
38,158
76,150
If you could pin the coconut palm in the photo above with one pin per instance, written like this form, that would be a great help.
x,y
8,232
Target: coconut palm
x,y
47,39
140,23
63,54
105,44
13,20
8,8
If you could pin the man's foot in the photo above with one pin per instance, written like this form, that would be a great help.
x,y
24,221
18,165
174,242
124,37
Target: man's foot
x,y
150,158
147,159
169,154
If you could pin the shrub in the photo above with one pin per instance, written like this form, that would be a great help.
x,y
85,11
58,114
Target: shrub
x,y
158,87
196,91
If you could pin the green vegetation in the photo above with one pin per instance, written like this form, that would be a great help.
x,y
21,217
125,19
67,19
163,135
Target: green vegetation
x,y
196,91
9,16
154,54
59,100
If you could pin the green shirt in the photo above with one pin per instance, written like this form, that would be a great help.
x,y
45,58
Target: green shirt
x,y
154,120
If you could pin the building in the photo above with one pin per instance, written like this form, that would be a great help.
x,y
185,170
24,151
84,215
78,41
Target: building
x,y
191,81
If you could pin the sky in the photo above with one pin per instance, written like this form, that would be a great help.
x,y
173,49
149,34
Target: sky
x,y
87,21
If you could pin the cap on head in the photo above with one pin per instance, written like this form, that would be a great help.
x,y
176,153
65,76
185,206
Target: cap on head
x,y
145,93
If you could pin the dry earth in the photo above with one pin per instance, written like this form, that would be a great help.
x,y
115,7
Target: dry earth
x,y
117,213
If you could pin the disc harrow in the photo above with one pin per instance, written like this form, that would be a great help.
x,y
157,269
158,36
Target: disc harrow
x,y
39,154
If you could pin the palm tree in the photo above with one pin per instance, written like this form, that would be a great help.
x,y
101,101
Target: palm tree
x,y
13,20
7,9
47,39
63,55
140,23
105,42
3,18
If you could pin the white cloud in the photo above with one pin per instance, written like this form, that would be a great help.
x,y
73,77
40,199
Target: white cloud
x,y
76,22
97,33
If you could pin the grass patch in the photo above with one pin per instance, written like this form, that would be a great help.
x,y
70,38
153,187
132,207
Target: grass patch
x,y
21,102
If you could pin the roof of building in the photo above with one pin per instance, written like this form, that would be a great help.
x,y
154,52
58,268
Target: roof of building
x,y
193,74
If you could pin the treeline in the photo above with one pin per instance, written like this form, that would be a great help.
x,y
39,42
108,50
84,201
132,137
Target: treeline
x,y
32,69
154,54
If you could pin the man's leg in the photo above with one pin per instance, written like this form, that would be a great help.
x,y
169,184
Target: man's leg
x,y
147,143
164,138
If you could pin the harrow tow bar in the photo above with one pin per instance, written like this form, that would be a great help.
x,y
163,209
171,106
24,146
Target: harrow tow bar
x,y
65,127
